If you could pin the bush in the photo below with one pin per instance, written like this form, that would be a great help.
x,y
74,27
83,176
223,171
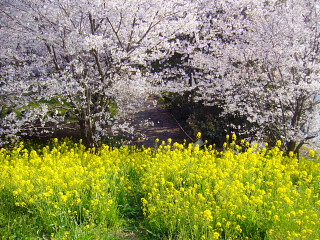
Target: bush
x,y
197,117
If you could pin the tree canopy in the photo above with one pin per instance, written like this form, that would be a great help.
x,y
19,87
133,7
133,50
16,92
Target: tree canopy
x,y
95,60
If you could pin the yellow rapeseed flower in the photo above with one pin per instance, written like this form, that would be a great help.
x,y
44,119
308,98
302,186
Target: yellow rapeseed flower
x,y
198,135
216,235
207,215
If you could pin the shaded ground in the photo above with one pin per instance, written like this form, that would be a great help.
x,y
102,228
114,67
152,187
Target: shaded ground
x,y
154,121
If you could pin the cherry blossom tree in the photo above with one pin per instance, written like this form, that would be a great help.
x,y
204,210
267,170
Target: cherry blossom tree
x,y
95,61
89,59
260,59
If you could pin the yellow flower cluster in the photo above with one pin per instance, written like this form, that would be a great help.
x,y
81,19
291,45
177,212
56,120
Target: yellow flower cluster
x,y
242,192
66,185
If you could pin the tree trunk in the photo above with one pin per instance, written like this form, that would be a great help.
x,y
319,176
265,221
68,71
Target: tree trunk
x,y
87,133
291,146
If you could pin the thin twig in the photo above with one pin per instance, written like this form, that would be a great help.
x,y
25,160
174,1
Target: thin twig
x,y
182,128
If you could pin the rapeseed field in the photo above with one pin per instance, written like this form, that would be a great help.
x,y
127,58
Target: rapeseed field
x,y
173,191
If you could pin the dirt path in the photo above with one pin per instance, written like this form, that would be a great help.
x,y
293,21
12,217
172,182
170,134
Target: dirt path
x,y
154,121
